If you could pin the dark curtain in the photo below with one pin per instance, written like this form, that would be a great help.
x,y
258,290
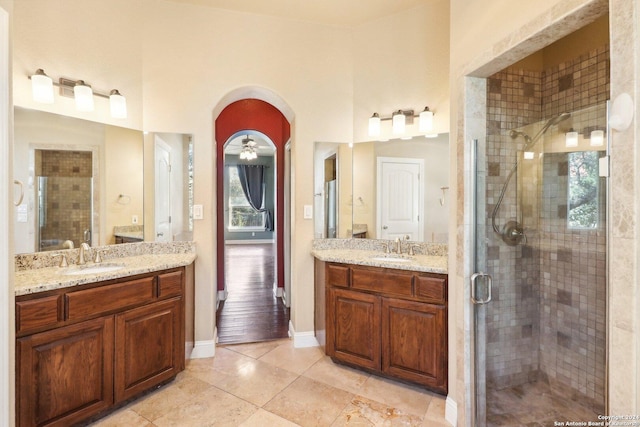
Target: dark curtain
x,y
253,182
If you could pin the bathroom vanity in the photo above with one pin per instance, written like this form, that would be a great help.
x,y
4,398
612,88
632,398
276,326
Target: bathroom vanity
x,y
91,345
387,320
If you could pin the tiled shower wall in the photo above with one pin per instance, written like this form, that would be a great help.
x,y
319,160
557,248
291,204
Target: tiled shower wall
x,y
514,98
547,318
68,196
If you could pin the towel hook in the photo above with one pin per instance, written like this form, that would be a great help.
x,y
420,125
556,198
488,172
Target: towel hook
x,y
19,184
444,190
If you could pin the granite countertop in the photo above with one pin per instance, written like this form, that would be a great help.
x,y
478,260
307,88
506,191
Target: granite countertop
x,y
423,263
130,234
51,278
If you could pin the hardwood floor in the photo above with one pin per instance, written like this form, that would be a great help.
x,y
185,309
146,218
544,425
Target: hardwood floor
x,y
251,312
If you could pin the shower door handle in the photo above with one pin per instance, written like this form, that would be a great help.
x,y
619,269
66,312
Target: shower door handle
x,y
488,281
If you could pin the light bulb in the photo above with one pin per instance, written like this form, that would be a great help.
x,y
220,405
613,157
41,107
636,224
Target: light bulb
x,y
597,138
42,87
571,138
398,122
83,95
374,125
426,121
118,105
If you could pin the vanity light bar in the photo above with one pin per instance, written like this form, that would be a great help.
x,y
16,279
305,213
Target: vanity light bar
x,y
42,88
401,118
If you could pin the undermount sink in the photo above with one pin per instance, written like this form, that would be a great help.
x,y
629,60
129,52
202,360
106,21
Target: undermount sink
x,y
391,258
92,269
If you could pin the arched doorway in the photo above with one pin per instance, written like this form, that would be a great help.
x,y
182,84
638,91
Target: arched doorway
x,y
260,117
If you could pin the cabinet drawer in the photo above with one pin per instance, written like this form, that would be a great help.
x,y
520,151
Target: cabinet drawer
x,y
170,284
105,299
431,288
386,282
38,313
337,275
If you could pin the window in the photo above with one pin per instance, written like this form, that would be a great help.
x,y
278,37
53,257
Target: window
x,y
241,215
583,190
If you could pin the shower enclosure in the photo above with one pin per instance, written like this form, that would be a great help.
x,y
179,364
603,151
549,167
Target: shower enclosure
x,y
540,291
544,246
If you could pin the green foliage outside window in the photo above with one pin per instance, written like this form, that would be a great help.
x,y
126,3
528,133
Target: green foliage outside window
x,y
583,189
241,214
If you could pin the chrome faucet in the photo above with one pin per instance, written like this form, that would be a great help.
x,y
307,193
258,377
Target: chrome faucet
x,y
398,246
82,257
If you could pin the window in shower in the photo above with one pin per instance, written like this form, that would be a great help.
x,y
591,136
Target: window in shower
x,y
582,203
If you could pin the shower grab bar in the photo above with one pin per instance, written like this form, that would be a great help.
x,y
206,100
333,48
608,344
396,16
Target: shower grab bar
x,y
21,185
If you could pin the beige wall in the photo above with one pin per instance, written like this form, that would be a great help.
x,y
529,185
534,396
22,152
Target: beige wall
x,y
123,174
487,37
400,62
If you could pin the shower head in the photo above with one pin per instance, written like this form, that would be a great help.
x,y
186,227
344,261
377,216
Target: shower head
x,y
531,141
514,134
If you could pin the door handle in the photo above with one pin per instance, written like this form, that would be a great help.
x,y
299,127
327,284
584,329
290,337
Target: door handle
x,y
488,281
159,234
384,227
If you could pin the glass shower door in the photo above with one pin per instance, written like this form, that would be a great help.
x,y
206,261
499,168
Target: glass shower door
x,y
481,284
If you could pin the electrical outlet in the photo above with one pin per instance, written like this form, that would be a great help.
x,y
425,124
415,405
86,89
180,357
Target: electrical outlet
x,y
134,219
308,212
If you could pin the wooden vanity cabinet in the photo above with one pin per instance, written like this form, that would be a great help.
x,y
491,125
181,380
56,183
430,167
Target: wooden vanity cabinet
x,y
387,321
94,346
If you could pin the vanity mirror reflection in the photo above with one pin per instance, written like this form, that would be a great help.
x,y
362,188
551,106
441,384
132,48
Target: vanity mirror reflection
x,y
391,189
88,182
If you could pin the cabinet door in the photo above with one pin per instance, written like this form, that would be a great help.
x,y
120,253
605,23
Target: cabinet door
x,y
414,342
149,347
354,336
65,375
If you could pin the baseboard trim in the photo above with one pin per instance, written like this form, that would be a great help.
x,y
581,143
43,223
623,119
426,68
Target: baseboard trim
x,y
302,339
278,292
203,349
188,350
451,411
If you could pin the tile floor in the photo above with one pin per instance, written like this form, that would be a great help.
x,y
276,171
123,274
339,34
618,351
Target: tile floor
x,y
534,405
274,384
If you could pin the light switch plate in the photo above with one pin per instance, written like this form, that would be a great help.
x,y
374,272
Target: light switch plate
x,y
308,212
197,212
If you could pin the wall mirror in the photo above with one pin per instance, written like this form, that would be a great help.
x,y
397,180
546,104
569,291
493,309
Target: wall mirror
x,y
332,190
81,181
384,189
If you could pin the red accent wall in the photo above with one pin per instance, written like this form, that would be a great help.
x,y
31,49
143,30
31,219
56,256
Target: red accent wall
x,y
251,114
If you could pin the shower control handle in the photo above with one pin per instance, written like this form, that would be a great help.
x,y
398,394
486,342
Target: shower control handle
x,y
488,281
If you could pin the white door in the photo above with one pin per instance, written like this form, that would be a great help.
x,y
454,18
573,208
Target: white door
x,y
162,191
399,199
